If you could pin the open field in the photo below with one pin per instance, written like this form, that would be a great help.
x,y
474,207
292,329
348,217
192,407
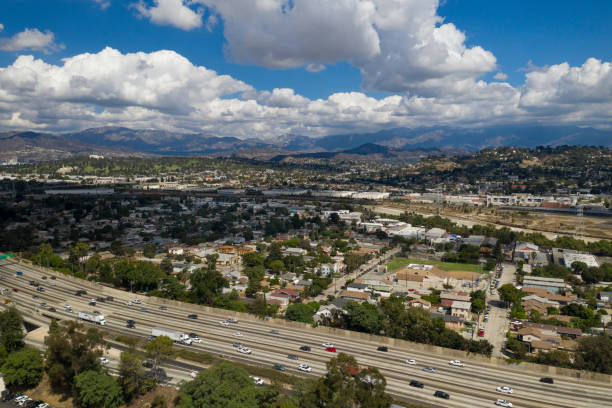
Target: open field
x,y
397,263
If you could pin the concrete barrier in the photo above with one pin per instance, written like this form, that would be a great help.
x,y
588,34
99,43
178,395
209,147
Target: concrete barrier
x,y
579,375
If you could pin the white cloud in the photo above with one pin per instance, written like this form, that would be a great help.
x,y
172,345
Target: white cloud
x,y
501,76
176,13
1,26
164,90
31,39
399,45
294,33
315,67
103,4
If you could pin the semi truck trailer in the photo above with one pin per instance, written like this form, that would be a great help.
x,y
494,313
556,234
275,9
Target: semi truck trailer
x,y
93,318
176,336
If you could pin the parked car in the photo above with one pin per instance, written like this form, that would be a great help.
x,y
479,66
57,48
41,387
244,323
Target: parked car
x,y
279,367
103,360
416,384
504,389
503,403
305,348
383,348
305,368
441,394
547,380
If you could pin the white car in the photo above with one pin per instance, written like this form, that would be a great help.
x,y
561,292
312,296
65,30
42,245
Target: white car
x,y
411,362
245,350
504,389
456,363
196,340
257,380
327,345
304,367
43,405
103,360
503,403
224,323
237,334
193,374
128,303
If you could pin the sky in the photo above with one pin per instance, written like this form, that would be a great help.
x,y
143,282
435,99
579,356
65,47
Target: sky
x,y
268,68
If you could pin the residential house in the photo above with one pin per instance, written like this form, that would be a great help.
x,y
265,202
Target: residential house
x,y
282,296
447,298
461,309
422,303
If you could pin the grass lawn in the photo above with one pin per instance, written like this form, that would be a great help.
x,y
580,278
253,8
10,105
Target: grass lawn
x,y
397,263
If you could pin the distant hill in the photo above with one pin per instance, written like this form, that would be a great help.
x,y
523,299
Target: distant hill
x,y
397,143
32,146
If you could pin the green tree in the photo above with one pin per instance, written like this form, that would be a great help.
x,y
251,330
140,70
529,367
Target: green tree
x,y
205,285
11,330
132,379
223,386
159,349
300,312
510,294
70,352
594,353
23,368
93,389
345,385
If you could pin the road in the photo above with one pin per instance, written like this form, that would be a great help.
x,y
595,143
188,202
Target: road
x,y
497,325
471,386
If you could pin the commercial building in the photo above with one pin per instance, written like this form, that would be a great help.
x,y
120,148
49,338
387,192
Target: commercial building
x,y
552,285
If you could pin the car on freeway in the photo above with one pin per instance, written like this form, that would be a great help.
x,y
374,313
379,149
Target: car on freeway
x,y
192,316
274,331
245,350
193,374
305,348
15,290
163,308
456,363
34,296
101,299
417,384
441,394
503,403
547,380
237,344
429,369
292,357
305,368
53,278
504,389
257,380
52,309
40,289
43,304
143,309
224,323
44,277
330,349
279,367
193,335
232,320
128,303
109,298
237,334
327,345
80,292
411,362
130,324
383,348
103,360
92,302
136,301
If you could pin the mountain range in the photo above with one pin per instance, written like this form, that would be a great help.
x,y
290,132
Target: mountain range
x,y
397,143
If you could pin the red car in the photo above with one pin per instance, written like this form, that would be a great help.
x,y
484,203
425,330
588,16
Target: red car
x,y
331,349
481,333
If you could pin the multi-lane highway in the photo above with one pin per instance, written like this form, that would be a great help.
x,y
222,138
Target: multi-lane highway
x,y
471,386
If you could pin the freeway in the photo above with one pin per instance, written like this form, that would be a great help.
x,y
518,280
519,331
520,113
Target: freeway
x,y
471,386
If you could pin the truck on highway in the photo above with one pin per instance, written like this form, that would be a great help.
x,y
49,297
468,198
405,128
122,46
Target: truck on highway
x,y
93,318
176,336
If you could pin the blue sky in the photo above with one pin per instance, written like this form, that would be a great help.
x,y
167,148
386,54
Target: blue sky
x,y
437,64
